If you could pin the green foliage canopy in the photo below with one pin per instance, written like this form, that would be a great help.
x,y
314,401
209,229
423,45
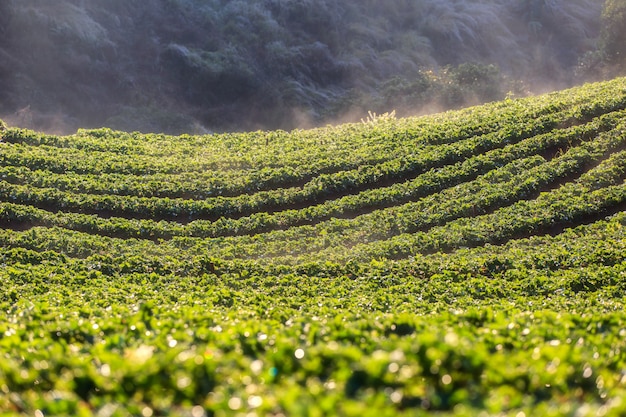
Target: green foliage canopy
x,y
463,263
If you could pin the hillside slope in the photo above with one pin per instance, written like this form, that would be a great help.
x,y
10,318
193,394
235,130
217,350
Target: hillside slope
x,y
178,65
467,261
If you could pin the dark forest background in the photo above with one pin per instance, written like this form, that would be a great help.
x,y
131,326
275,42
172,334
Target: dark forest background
x,y
210,65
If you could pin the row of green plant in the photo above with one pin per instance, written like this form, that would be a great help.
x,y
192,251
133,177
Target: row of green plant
x,y
598,243
489,282
571,203
519,179
294,158
374,130
591,194
323,186
474,330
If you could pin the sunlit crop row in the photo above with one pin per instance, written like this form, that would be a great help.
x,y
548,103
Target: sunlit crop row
x,y
462,263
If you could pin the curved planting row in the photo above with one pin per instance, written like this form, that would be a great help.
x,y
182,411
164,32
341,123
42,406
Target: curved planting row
x,y
521,178
322,187
466,263
295,160
23,201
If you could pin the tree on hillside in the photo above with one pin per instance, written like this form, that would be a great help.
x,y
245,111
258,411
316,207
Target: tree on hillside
x,y
114,63
614,31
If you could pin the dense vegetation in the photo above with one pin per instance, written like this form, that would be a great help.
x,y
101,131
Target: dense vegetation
x,y
181,65
462,263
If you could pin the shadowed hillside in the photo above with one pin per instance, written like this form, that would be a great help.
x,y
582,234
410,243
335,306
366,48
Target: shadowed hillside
x,y
185,65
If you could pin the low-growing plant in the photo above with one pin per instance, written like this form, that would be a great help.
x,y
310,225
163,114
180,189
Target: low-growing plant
x,y
465,263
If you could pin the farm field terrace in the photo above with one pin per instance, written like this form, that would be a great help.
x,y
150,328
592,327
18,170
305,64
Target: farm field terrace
x,y
461,264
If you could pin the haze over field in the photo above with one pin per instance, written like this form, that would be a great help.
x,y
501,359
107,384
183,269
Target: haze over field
x,y
460,264
197,65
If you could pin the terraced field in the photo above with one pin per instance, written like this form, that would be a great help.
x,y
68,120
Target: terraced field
x,y
466,263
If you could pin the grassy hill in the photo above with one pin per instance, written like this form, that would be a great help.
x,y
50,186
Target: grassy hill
x,y
462,263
